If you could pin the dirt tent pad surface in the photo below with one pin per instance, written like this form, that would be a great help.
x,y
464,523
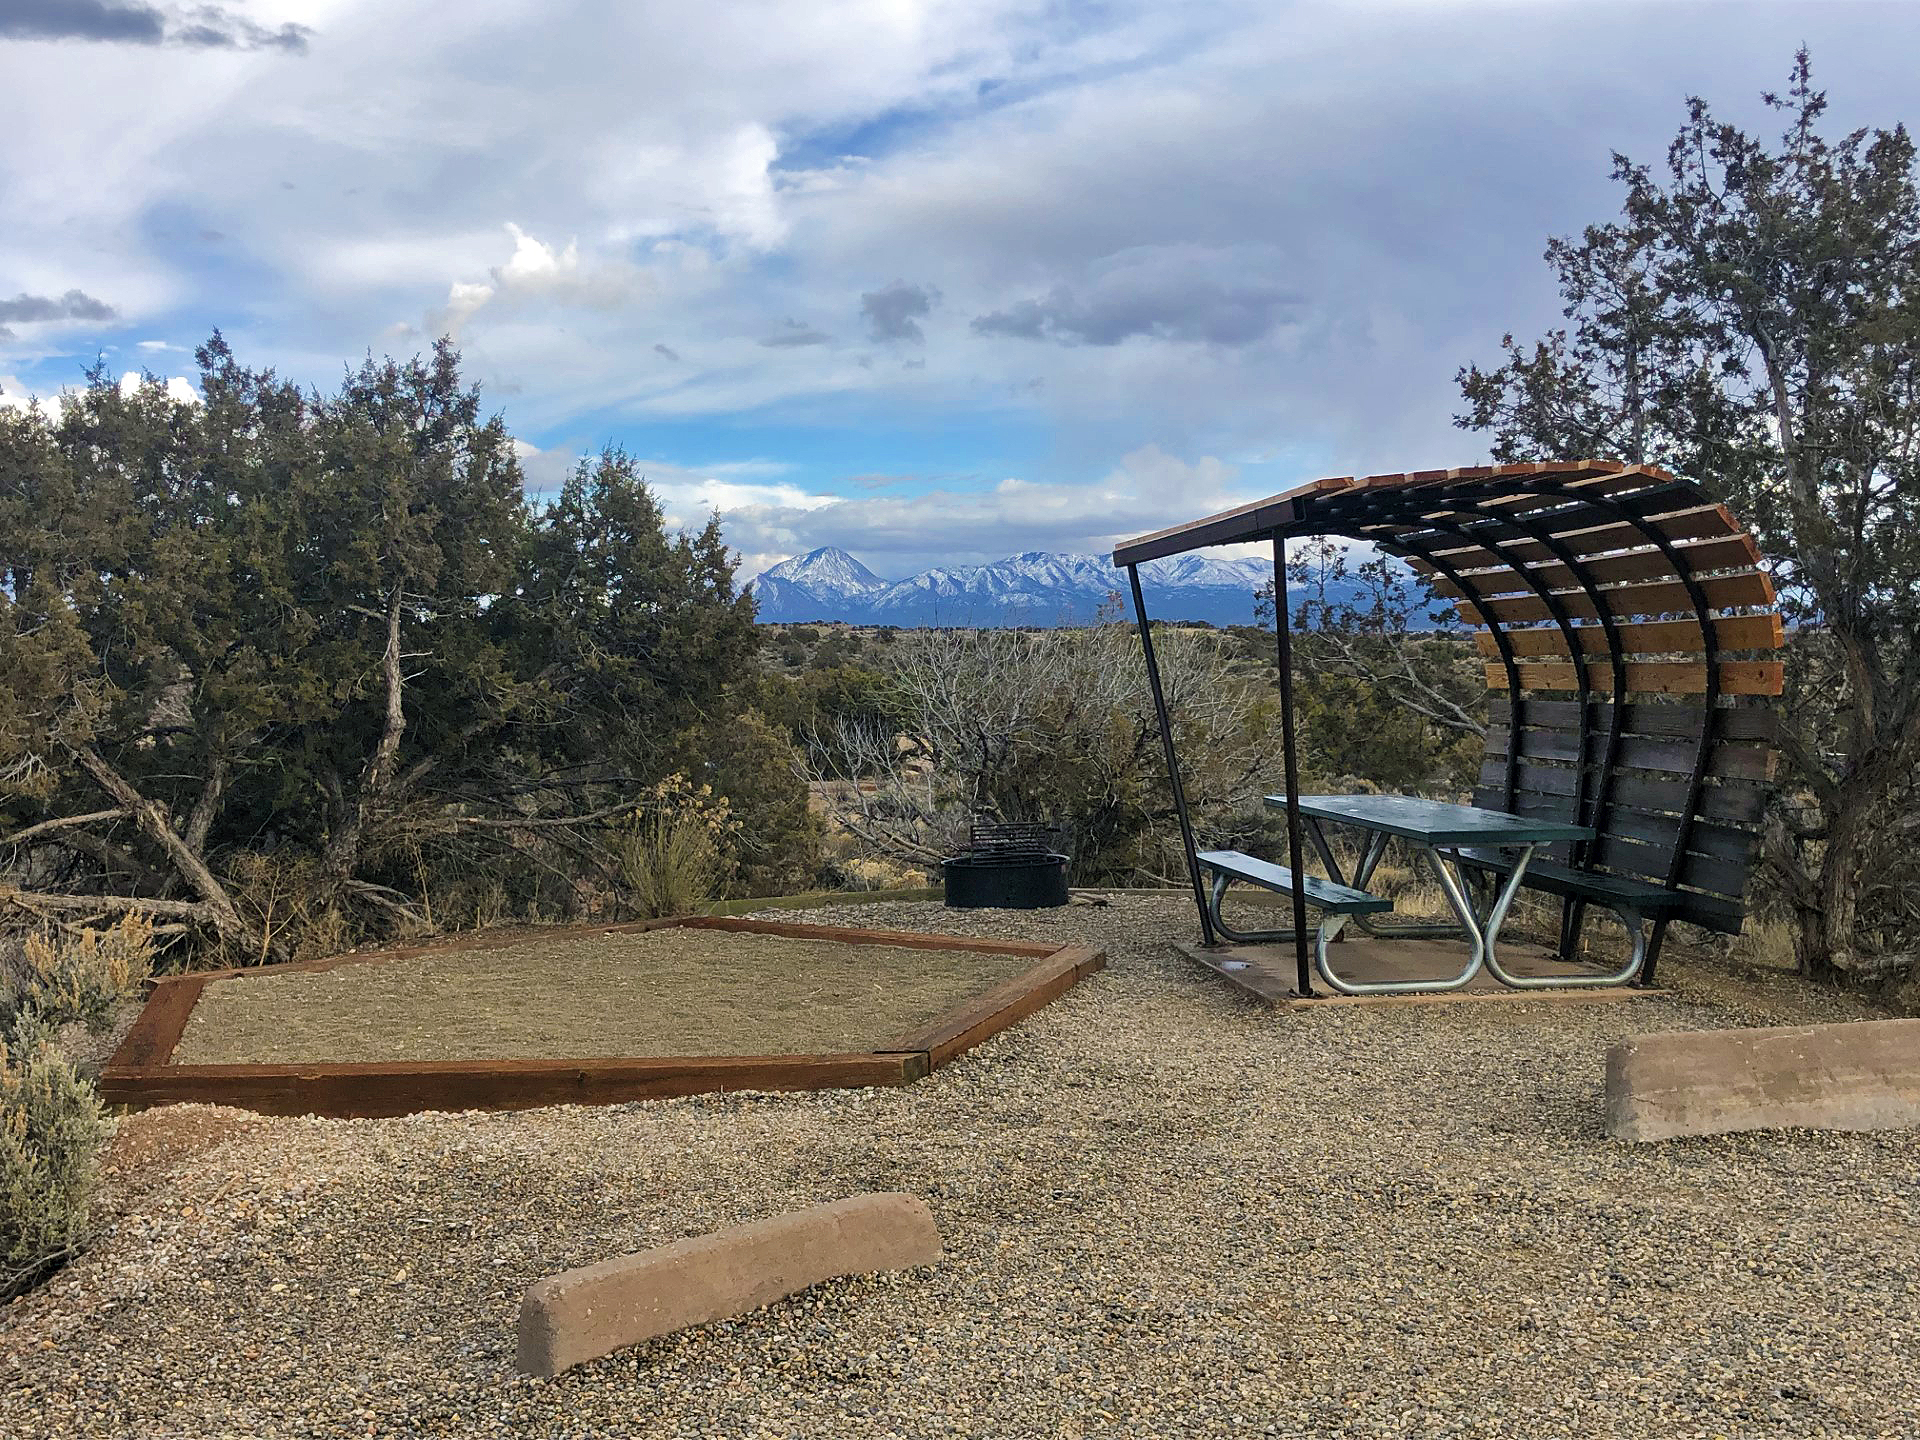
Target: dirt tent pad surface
x,y
679,991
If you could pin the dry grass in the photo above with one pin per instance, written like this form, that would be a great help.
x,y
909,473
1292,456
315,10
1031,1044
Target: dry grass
x,y
567,996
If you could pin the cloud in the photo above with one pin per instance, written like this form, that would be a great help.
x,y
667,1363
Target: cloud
x,y
901,534
796,333
537,273
129,22
1182,293
893,312
178,387
25,309
16,395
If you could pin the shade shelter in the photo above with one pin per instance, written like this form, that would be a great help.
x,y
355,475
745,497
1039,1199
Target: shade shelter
x,y
1629,634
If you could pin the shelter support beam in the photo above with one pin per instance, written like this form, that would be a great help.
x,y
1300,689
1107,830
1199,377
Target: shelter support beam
x,y
1173,761
1283,644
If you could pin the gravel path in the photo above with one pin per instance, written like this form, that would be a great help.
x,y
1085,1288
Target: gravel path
x,y
1167,1212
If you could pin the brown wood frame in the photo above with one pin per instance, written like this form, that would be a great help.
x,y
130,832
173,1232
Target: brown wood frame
x,y
141,1074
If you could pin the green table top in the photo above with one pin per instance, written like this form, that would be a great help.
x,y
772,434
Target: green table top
x,y
1434,822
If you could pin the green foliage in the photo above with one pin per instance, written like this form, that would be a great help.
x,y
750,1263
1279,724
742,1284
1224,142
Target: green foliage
x,y
51,1123
673,855
75,978
774,844
51,1132
1752,320
286,667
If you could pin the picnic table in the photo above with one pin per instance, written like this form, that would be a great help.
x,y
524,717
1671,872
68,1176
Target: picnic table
x,y
1441,832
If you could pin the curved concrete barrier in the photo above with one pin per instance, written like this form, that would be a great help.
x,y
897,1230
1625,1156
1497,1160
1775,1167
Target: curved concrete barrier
x,y
1863,1075
586,1313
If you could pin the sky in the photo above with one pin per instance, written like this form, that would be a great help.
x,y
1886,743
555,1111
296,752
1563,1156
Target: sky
x,y
937,281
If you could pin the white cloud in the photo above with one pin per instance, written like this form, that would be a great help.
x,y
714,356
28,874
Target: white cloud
x,y
898,535
1293,223
178,387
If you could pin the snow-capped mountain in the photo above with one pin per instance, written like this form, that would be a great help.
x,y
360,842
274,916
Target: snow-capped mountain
x,y
1037,588
826,573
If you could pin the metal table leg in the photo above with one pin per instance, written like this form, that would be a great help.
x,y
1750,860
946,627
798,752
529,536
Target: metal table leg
x,y
1477,942
1370,857
1636,933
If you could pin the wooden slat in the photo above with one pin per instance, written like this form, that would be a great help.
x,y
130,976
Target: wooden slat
x,y
1701,872
1739,803
1652,677
1734,552
1727,760
1666,598
1523,516
1634,843
1643,637
1696,523
1721,842
1730,722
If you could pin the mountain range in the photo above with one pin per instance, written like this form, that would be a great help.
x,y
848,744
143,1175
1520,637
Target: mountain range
x,y
1037,588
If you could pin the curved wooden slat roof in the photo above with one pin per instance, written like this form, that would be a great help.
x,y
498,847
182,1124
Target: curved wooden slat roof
x,y
1656,588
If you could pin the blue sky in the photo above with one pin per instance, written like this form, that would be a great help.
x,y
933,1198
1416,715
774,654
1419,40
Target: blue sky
x,y
938,282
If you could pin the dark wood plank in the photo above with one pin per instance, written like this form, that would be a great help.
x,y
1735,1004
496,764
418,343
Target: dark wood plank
x,y
1731,760
366,1090
1702,872
156,1031
1704,837
1651,677
1731,801
1670,718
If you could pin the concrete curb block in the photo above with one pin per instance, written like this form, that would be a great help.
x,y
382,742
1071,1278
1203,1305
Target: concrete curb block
x,y
582,1314
1863,1075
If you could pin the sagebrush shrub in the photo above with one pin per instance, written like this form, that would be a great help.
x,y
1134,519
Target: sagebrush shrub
x,y
673,856
76,977
51,1122
51,1131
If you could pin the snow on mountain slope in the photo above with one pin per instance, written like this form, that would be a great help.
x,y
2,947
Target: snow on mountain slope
x,y
1036,588
826,573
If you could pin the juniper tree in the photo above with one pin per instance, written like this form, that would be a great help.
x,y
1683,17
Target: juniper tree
x,y
1752,320
328,630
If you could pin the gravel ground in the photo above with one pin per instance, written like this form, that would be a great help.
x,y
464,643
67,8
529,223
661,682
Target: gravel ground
x,y
568,994
1167,1212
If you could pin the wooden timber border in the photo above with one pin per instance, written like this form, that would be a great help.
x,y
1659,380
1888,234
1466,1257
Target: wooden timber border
x,y
141,1074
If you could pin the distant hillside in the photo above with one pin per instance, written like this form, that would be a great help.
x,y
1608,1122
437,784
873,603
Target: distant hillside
x,y
1037,588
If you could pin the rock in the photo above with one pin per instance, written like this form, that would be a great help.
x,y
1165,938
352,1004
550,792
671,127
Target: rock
x,y
1863,1075
582,1314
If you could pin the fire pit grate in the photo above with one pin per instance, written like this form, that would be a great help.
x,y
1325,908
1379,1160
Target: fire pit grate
x,y
1009,865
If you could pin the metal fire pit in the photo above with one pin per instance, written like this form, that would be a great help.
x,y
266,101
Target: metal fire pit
x,y
1007,866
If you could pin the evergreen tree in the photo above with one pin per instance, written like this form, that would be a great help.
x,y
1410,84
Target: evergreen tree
x,y
1752,321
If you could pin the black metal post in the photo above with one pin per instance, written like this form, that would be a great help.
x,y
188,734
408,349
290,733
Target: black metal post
x,y
1173,761
1283,643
